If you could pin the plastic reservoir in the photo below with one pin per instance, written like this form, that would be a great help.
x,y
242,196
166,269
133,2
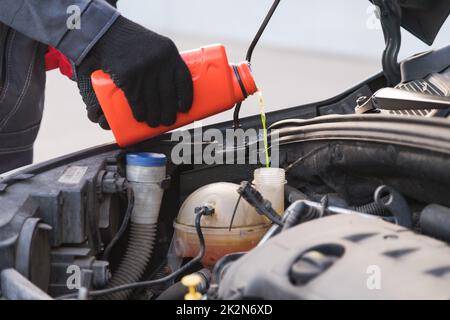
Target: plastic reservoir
x,y
145,172
270,183
248,227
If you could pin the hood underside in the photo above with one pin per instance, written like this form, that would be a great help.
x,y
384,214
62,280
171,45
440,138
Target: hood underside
x,y
424,18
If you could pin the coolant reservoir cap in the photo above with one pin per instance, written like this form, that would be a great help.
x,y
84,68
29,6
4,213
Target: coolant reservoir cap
x,y
146,159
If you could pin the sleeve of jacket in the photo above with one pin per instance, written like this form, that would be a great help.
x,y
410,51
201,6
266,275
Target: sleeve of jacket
x,y
52,22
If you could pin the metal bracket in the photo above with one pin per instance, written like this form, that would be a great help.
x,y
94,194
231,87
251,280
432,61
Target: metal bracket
x,y
397,99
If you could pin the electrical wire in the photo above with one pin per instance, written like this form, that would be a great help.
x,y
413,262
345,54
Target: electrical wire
x,y
123,227
309,154
144,284
249,54
234,212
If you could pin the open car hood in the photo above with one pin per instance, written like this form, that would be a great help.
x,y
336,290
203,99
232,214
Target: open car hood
x,y
424,18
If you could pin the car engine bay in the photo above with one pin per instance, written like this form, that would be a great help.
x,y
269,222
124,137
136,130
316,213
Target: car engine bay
x,y
356,208
355,192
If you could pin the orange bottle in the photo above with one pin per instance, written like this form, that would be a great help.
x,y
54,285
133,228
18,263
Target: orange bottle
x,y
218,85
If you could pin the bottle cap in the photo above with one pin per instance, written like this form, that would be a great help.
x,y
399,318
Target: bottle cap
x,y
146,159
192,281
247,77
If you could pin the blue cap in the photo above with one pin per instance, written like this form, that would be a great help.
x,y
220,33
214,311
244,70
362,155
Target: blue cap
x,y
146,159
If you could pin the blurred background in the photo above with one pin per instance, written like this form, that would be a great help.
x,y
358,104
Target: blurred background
x,y
310,51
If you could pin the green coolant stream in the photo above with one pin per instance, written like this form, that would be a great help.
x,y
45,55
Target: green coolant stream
x,y
263,120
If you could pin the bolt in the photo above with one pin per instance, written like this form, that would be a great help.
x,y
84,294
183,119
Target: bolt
x,y
361,100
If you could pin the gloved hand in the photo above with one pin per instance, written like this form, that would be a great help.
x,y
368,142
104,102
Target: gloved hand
x,y
94,111
146,66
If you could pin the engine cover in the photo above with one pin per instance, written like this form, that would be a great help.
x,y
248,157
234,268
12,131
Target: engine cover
x,y
436,84
342,257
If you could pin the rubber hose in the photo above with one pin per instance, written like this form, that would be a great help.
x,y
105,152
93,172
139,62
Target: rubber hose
x,y
177,291
372,208
292,194
135,261
299,212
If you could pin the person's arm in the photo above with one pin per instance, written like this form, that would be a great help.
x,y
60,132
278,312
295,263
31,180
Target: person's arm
x,y
144,64
48,21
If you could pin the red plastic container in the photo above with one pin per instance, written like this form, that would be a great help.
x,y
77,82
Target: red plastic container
x,y
218,86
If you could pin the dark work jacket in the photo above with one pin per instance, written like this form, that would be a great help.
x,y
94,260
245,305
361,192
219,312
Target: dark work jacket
x,y
27,28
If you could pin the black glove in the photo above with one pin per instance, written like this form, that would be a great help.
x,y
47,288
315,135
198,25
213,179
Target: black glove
x,y
146,66
94,111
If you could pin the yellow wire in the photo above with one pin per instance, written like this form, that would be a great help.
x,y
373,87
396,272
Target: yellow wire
x,y
263,120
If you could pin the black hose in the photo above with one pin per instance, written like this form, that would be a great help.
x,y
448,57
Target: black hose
x,y
134,263
435,222
123,227
177,291
300,212
143,284
292,194
372,208
391,21
249,54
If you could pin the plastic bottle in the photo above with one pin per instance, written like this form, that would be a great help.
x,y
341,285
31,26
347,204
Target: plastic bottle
x,y
218,85
270,183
